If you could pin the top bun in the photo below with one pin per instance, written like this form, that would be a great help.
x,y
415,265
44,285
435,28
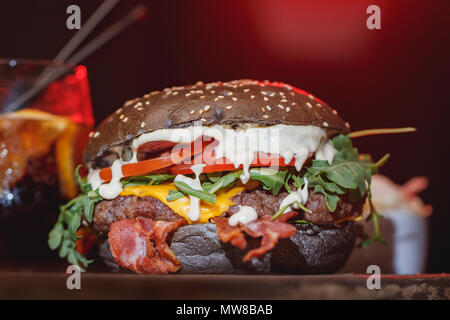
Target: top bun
x,y
227,103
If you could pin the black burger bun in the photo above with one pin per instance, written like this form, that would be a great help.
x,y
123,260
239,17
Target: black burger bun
x,y
226,103
314,249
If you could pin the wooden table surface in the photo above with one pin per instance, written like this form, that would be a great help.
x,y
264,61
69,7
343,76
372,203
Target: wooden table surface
x,y
32,285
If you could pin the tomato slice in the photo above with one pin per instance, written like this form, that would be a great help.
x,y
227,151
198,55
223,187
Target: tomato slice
x,y
222,164
139,168
156,146
178,154
203,153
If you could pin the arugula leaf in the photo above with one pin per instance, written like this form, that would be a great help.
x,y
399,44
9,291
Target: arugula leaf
x,y
347,174
284,208
327,185
272,180
350,173
363,168
63,235
301,206
376,233
158,178
147,179
55,236
331,199
298,183
222,182
286,183
89,203
214,176
206,196
281,211
174,195
303,221
376,226
380,162
85,187
344,147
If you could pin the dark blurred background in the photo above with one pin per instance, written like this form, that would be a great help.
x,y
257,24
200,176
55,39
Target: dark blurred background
x,y
394,77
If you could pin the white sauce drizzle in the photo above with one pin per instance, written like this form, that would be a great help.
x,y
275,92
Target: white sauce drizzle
x,y
94,178
194,207
112,189
326,152
300,195
238,146
245,215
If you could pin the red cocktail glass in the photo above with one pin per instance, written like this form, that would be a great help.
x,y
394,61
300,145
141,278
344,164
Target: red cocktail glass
x,y
40,145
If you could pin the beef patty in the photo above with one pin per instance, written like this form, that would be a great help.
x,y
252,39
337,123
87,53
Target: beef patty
x,y
130,207
267,204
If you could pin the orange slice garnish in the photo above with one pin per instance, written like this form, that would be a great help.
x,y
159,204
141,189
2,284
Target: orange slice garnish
x,y
30,133
68,150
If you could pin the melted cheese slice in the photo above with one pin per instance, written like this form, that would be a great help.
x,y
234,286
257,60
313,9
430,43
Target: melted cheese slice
x,y
181,205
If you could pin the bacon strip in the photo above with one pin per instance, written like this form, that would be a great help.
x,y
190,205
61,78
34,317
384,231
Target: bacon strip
x,y
270,231
227,233
141,245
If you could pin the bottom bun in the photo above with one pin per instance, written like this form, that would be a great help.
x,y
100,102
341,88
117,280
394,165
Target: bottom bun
x,y
313,249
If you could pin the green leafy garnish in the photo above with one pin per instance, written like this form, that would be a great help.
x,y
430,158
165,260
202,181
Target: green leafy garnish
x,y
329,189
203,195
222,182
380,162
85,187
301,206
376,227
349,173
63,235
286,182
283,209
174,195
271,179
330,198
214,176
304,221
153,179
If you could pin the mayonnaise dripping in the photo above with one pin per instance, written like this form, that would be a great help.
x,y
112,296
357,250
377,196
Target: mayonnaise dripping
x,y
245,215
194,202
238,146
112,189
94,178
300,195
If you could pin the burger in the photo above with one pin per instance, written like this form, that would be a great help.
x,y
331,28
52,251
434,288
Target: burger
x,y
238,177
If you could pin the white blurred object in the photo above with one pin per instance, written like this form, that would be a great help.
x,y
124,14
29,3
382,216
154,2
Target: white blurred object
x,y
386,195
408,214
409,241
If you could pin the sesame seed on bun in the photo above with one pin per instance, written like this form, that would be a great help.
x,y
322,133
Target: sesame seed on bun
x,y
232,103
